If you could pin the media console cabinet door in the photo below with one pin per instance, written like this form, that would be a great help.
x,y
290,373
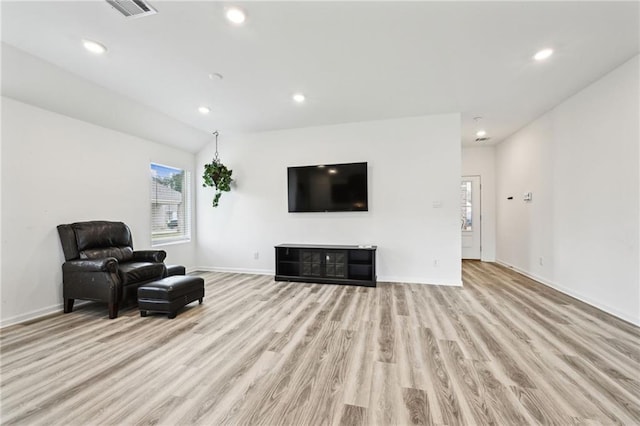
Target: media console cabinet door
x,y
311,263
335,264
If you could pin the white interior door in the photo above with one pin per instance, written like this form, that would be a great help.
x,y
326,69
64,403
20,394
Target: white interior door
x,y
470,216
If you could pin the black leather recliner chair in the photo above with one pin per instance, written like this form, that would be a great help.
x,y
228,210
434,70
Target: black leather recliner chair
x,y
101,264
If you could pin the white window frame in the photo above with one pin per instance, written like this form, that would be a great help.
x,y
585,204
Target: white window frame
x,y
185,235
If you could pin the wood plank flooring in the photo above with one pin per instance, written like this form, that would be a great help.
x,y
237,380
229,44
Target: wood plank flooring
x,y
502,350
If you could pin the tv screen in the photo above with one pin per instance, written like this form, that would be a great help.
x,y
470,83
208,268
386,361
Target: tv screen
x,y
328,188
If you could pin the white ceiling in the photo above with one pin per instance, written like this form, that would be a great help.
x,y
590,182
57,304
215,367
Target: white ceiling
x,y
354,61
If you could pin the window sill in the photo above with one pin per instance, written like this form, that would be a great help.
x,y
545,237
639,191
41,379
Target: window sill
x,y
170,242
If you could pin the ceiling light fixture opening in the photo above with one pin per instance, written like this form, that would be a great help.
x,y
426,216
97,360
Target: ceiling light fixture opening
x,y
481,134
94,47
236,15
299,98
204,110
543,54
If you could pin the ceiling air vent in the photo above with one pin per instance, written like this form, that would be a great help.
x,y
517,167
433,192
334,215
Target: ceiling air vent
x,y
132,8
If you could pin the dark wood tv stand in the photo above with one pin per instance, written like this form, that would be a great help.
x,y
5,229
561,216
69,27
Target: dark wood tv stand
x,y
330,264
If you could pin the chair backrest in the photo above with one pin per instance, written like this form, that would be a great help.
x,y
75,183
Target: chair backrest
x,y
96,239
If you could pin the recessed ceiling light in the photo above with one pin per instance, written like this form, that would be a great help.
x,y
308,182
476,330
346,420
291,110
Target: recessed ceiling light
x,y
204,110
333,171
481,133
236,15
94,47
299,98
543,54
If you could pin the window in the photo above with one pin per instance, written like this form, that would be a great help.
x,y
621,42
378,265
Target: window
x,y
465,205
170,205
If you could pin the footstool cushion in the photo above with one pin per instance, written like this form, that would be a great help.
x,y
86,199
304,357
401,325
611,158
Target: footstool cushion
x,y
170,294
175,270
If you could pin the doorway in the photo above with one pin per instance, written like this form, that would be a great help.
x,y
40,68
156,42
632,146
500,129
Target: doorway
x,y
470,217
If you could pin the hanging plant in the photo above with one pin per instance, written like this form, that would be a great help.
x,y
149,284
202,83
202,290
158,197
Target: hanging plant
x,y
217,175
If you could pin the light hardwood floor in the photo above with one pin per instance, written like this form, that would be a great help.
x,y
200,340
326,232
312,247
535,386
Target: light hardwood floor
x,y
502,350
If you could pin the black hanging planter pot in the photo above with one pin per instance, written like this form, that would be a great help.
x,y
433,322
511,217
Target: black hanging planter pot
x,y
217,175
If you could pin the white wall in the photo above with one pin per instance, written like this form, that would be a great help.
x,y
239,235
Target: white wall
x,y
581,161
1,214
412,163
56,169
524,229
480,161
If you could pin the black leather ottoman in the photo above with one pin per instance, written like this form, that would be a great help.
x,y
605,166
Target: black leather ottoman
x,y
175,270
170,294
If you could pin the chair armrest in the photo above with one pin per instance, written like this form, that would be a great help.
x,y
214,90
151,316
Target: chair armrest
x,y
155,256
107,264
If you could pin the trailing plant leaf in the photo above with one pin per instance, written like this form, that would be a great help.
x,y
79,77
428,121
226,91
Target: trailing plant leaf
x,y
217,175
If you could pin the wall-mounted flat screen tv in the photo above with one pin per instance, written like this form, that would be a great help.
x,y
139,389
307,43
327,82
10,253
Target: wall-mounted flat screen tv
x,y
328,188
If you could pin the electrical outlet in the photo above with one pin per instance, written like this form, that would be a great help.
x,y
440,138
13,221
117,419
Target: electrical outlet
x,y
256,255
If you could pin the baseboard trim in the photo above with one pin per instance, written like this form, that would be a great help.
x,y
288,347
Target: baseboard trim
x,y
37,314
235,270
384,279
421,281
569,292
